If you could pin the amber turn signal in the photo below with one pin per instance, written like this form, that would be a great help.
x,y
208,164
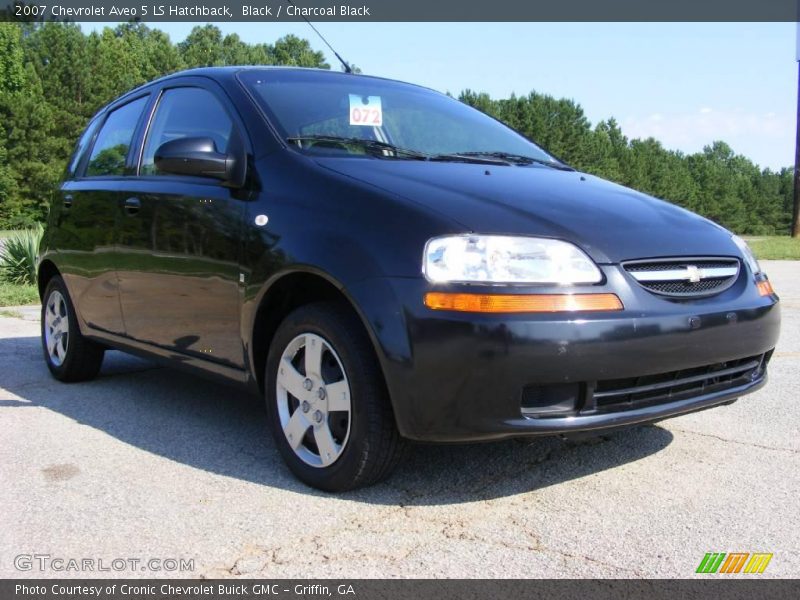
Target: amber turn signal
x,y
765,288
521,303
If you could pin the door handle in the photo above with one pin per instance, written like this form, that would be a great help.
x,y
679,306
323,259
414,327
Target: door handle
x,y
132,206
68,201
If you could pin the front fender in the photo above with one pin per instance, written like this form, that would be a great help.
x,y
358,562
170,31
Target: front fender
x,y
374,302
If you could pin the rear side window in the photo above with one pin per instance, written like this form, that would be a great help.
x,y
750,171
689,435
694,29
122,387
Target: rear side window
x,y
80,148
113,142
186,112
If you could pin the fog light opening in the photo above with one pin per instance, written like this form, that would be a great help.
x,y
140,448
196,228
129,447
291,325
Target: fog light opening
x,y
554,400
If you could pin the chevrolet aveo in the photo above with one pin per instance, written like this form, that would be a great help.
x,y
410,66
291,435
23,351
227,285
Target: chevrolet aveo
x,y
384,263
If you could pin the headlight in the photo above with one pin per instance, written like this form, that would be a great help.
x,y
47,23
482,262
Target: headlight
x,y
507,259
749,257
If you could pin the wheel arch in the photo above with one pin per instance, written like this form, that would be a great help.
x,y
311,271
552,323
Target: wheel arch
x,y
286,292
46,271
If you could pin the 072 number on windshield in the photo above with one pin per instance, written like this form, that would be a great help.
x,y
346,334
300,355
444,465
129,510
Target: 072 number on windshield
x,y
366,116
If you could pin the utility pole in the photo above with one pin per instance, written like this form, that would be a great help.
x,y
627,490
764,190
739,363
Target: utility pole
x,y
796,203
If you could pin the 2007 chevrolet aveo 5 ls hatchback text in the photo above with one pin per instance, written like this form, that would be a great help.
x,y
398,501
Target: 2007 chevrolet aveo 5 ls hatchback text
x,y
384,263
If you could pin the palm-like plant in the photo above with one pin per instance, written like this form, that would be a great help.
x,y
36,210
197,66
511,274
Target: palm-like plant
x,y
18,256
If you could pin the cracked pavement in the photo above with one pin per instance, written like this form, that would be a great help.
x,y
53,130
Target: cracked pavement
x,y
148,462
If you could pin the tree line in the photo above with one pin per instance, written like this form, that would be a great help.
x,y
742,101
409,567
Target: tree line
x,y
54,77
717,183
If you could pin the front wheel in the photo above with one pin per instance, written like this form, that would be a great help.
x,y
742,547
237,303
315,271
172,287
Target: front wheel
x,y
328,406
69,356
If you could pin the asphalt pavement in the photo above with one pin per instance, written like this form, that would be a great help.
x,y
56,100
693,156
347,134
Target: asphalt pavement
x,y
147,463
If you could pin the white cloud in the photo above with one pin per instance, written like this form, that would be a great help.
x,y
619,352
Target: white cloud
x,y
767,138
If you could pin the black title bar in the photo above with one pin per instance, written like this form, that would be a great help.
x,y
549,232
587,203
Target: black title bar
x,y
401,10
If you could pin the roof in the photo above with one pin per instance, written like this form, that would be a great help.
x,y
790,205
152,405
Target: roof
x,y
227,73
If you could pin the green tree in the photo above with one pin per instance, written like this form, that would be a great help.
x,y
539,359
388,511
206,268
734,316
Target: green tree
x,y
482,101
59,56
156,54
608,153
662,173
719,189
12,80
12,60
237,52
767,215
28,149
35,153
206,47
115,67
293,51
203,47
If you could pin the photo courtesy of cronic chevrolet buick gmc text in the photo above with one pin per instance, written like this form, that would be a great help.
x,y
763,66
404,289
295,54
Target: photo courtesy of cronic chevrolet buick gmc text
x,y
383,263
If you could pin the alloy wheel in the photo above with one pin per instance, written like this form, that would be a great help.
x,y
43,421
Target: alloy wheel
x,y
56,329
313,396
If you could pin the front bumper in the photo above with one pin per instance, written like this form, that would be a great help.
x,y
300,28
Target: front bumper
x,y
464,377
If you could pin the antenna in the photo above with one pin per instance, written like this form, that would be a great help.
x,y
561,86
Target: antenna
x,y
347,68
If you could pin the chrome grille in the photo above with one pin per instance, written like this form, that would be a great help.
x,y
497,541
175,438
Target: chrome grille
x,y
684,277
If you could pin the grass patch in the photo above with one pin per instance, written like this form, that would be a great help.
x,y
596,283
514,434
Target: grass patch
x,y
18,295
775,247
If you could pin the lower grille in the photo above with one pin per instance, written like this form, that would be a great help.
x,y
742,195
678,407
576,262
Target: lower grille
x,y
678,288
637,392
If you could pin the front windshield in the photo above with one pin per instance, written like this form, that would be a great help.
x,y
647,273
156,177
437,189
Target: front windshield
x,y
305,105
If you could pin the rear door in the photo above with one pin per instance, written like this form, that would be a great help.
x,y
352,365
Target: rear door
x,y
179,237
86,214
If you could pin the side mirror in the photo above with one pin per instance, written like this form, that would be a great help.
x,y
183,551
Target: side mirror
x,y
198,156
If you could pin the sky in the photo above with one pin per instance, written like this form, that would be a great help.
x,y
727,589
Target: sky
x,y
686,84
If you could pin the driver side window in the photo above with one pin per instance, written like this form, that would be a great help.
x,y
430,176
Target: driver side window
x,y
186,112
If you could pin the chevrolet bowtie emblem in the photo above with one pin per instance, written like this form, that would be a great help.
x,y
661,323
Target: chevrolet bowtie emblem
x,y
694,273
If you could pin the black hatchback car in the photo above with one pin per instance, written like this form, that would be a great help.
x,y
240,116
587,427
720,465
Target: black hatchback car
x,y
382,263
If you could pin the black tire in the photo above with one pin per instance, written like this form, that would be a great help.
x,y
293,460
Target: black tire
x,y
373,446
82,357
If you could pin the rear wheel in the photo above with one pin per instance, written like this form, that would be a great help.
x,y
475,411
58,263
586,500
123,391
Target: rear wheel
x,y
69,356
328,406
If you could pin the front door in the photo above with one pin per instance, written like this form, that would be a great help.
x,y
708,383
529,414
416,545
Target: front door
x,y
179,240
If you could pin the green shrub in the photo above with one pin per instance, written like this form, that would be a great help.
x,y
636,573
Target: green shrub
x,y
18,256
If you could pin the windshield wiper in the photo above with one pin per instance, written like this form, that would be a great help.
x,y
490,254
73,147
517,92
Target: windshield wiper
x,y
375,145
467,157
519,159
381,149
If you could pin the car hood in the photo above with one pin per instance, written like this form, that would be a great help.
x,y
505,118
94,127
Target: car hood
x,y
610,222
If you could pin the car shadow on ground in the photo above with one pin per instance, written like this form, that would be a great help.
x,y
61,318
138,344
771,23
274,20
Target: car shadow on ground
x,y
217,429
